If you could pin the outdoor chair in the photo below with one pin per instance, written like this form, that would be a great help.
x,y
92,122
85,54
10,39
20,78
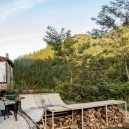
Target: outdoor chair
x,y
2,93
13,106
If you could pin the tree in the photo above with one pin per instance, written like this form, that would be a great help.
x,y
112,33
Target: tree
x,y
61,43
56,39
114,18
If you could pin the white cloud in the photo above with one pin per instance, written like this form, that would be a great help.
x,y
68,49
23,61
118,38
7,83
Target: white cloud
x,y
16,6
16,37
21,44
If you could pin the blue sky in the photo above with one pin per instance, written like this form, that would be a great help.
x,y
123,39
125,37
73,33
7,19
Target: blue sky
x,y
23,22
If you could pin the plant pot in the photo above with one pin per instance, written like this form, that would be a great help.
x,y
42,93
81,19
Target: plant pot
x,y
11,96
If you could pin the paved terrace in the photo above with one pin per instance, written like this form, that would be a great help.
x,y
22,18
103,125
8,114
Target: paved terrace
x,y
22,123
10,123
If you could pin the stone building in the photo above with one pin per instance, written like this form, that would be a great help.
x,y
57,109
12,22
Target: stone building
x,y
6,72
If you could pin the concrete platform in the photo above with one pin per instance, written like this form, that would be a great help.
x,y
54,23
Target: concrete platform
x,y
10,123
23,121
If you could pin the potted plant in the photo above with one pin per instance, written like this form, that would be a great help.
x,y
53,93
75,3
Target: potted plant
x,y
11,93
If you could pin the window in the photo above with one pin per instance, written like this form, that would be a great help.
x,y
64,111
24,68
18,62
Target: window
x,y
3,71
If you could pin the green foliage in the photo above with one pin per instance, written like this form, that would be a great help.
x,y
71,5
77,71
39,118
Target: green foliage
x,y
112,15
10,87
56,39
120,91
89,68
41,54
95,76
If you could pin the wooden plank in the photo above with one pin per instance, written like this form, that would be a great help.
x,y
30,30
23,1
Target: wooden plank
x,y
82,119
106,116
52,120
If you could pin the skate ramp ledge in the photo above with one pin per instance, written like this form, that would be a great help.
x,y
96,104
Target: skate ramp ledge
x,y
34,104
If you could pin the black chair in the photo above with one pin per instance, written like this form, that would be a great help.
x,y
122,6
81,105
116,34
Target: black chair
x,y
2,93
11,107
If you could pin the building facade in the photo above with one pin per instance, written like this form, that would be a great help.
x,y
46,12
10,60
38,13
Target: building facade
x,y
6,72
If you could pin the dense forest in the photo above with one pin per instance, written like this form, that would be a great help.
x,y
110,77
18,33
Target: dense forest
x,y
83,67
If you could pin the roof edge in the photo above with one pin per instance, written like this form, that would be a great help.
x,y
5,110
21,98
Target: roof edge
x,y
6,59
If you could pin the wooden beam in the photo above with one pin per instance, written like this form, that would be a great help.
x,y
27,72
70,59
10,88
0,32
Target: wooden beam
x,y
82,119
53,120
72,118
106,116
126,112
45,118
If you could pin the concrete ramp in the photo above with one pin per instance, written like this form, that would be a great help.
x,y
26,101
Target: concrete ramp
x,y
34,104
53,99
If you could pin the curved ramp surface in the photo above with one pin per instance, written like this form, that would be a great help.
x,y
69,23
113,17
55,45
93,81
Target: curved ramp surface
x,y
34,104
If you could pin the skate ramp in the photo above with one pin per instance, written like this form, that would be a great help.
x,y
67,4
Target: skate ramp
x,y
34,104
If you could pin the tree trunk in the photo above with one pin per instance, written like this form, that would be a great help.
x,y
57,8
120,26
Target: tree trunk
x,y
126,68
71,79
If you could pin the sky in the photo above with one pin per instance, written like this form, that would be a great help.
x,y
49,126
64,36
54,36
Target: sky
x,y
23,23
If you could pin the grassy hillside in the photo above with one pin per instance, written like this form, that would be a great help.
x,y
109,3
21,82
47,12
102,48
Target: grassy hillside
x,y
85,44
97,65
40,54
82,42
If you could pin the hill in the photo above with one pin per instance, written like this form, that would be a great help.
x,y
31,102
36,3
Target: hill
x,y
86,44
40,54
79,47
96,66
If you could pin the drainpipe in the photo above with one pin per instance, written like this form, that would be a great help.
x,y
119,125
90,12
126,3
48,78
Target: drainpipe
x,y
7,74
